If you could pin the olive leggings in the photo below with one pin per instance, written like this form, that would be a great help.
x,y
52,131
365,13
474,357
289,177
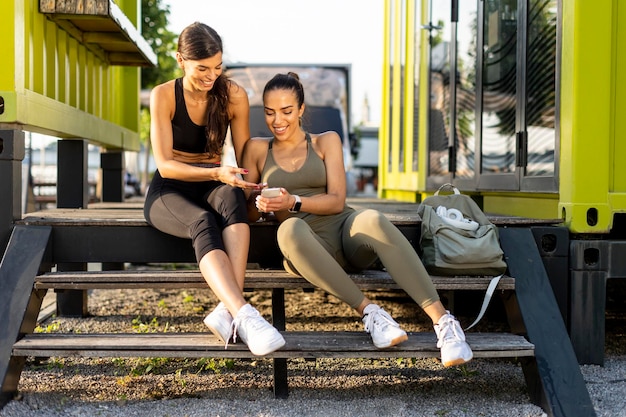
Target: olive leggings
x,y
365,236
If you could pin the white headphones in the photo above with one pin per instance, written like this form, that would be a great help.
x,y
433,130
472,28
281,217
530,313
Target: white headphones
x,y
455,218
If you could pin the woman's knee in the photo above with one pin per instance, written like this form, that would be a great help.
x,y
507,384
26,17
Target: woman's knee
x,y
369,220
230,203
290,232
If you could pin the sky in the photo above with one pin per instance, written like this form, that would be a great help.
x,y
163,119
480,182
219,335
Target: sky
x,y
298,31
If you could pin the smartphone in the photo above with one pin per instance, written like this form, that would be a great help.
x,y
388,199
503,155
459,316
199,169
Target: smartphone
x,y
270,192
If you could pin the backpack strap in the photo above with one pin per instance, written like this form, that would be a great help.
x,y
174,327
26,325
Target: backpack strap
x,y
488,294
448,185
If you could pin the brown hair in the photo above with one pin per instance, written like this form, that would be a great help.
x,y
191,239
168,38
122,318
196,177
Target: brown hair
x,y
199,41
289,81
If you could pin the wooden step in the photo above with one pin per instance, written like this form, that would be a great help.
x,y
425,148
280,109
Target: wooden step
x,y
255,278
299,345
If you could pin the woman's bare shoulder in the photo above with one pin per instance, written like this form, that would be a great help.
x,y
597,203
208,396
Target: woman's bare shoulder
x,y
326,138
258,143
256,149
163,91
235,90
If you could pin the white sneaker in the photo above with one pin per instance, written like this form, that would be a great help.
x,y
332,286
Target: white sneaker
x,y
451,341
220,322
384,330
260,336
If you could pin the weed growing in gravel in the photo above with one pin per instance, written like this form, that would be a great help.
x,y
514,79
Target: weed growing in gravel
x,y
145,366
55,363
215,365
406,362
192,303
465,371
50,328
124,381
179,378
152,326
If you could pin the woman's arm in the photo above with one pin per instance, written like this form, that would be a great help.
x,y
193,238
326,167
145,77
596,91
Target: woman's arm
x,y
239,110
162,107
254,154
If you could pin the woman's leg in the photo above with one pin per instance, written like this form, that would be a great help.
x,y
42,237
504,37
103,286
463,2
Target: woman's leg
x,y
171,212
308,256
218,272
307,253
237,241
369,233
175,213
229,205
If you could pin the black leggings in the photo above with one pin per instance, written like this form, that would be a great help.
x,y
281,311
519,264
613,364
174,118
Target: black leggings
x,y
199,211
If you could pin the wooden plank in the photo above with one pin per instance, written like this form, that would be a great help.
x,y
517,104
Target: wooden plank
x,y
562,382
18,303
85,16
132,213
255,278
47,6
299,344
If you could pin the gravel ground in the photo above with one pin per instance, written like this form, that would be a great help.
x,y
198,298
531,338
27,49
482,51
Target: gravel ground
x,y
325,387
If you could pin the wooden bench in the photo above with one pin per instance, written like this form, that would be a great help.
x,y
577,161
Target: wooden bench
x,y
115,234
310,344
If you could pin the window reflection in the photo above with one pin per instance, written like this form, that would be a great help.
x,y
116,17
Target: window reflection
x,y
439,114
540,90
465,89
499,86
486,42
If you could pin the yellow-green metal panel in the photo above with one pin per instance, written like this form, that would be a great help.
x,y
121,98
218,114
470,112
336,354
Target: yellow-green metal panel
x,y
62,70
7,47
383,131
52,66
60,120
130,98
396,86
397,179
54,84
399,63
72,72
539,206
587,79
38,41
424,96
619,139
409,86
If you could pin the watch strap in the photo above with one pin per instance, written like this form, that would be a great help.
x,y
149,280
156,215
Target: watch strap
x,y
296,205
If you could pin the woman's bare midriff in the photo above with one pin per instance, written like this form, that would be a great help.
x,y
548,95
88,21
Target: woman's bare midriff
x,y
195,158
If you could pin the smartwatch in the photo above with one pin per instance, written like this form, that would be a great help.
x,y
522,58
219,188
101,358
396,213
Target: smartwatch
x,y
297,205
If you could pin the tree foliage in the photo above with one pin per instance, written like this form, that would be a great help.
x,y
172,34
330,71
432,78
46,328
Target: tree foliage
x,y
163,42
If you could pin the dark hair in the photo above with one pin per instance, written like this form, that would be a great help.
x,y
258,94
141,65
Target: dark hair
x,y
289,81
199,41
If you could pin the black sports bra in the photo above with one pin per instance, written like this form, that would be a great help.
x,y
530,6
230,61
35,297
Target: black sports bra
x,y
188,136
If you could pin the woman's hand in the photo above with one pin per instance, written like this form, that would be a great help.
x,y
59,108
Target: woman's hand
x,y
228,175
284,201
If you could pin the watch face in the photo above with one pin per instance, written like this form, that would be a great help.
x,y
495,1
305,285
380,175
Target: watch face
x,y
296,206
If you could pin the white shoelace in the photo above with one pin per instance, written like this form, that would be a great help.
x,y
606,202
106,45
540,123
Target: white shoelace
x,y
234,325
237,320
380,317
448,331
